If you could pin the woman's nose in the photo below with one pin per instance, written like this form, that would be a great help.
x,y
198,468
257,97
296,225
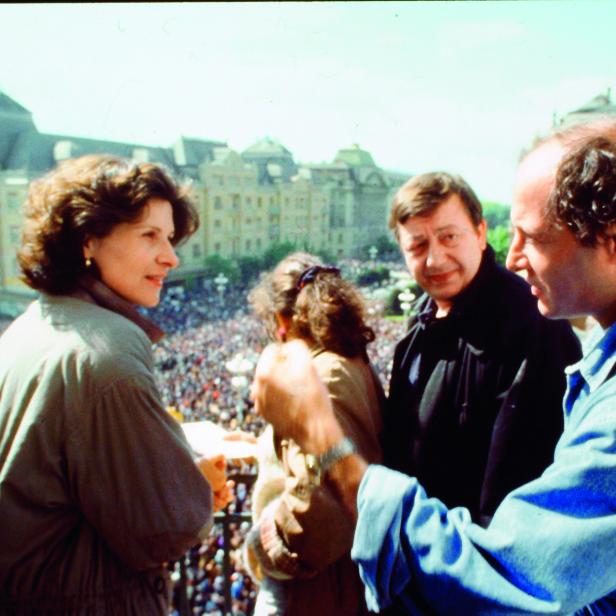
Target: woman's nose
x,y
168,256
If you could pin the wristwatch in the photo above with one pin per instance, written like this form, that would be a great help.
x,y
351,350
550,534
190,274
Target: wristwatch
x,y
318,465
343,448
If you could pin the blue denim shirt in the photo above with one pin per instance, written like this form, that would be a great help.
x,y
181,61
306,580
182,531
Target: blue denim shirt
x,y
551,546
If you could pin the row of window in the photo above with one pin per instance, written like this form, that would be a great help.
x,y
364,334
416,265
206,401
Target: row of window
x,y
218,203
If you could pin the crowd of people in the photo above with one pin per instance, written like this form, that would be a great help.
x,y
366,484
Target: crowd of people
x,y
204,368
206,332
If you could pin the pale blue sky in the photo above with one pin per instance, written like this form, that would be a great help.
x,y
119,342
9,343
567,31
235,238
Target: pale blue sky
x,y
458,86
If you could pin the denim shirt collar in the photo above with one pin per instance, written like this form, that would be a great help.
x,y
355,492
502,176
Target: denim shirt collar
x,y
599,357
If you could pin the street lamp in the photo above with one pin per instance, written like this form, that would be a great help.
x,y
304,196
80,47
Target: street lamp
x,y
406,299
373,251
221,282
240,367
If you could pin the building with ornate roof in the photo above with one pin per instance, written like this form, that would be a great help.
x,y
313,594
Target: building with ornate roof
x,y
247,201
601,106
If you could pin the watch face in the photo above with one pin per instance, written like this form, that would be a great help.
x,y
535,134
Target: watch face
x,y
314,469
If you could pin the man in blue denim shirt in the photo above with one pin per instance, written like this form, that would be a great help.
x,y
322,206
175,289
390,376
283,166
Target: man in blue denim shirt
x,y
551,545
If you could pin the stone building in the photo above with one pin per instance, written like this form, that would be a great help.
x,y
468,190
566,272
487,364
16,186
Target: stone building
x,y
601,106
247,201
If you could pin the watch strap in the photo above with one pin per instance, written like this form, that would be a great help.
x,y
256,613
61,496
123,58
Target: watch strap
x,y
343,448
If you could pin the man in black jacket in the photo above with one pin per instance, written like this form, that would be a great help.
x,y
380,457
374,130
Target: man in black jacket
x,y
475,401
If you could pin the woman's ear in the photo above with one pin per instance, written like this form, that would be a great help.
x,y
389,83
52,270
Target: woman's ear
x,y
87,248
284,324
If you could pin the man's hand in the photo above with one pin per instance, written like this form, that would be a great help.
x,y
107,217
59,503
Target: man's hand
x,y
288,392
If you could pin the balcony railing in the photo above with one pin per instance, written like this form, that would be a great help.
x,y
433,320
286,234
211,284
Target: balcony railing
x,y
183,603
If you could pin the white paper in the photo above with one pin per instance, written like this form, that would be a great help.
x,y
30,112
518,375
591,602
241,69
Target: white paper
x,y
207,439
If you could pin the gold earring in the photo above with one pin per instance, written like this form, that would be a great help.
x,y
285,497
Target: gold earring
x,y
88,262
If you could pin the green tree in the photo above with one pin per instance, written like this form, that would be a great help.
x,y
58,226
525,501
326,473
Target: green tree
x,y
215,264
372,276
249,269
276,253
499,238
495,213
386,246
325,255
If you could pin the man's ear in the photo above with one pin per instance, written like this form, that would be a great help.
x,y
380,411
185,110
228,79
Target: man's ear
x,y
482,230
608,240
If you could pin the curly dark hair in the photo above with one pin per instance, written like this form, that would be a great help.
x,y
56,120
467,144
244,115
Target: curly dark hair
x,y
328,311
422,194
86,197
584,196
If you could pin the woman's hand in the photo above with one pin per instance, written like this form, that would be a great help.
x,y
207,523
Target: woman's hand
x,y
240,435
224,496
214,469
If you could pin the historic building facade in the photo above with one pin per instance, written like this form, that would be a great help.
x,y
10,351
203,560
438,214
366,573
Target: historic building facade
x,y
247,201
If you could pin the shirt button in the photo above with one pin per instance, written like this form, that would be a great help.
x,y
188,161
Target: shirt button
x,y
159,584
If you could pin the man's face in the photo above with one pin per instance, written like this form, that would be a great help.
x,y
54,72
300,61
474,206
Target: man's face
x,y
443,250
564,276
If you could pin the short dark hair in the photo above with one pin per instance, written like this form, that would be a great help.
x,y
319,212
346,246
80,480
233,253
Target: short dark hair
x,y
584,195
87,197
328,311
422,194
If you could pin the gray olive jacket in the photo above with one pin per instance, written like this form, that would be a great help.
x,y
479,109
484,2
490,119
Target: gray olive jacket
x,y
98,487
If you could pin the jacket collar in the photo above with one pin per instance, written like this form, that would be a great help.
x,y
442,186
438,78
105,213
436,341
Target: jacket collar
x,y
469,299
94,291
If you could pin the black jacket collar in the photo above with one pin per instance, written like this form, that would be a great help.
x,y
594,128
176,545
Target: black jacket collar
x,y
469,301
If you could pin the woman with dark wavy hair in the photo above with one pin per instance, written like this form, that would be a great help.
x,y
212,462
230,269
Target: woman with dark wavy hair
x,y
299,547
98,486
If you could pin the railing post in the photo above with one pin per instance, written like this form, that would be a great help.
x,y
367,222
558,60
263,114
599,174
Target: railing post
x,y
183,607
226,562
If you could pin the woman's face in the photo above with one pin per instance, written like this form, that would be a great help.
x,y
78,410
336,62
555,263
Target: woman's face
x,y
135,258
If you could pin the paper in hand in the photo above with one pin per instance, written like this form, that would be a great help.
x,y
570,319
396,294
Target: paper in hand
x,y
207,439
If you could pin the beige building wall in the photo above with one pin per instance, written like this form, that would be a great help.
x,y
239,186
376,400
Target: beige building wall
x,y
14,294
235,207
13,193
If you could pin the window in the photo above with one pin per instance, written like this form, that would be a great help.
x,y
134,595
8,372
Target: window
x,y
217,203
13,201
14,235
196,251
258,242
248,244
217,223
217,247
248,201
259,202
